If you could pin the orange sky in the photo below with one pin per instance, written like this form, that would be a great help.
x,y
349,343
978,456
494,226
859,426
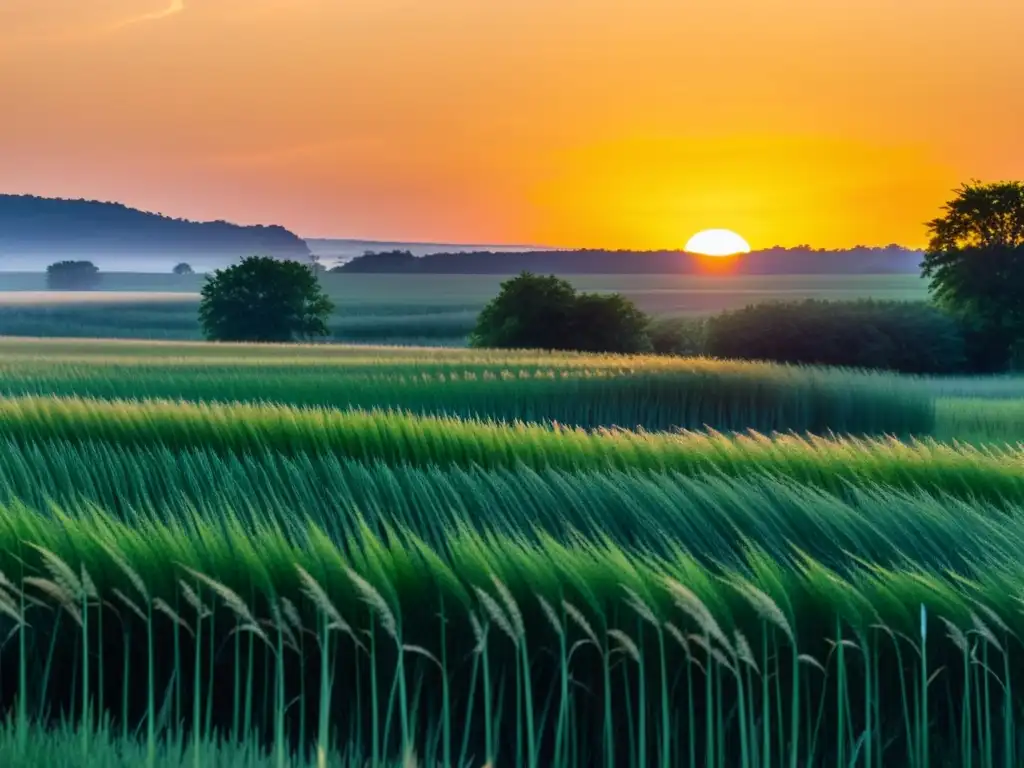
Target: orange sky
x,y
617,123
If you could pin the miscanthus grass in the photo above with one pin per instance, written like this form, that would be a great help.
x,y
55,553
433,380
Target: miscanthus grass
x,y
494,651
710,515
992,473
652,393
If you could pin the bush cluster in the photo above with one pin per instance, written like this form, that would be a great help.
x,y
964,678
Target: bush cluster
x,y
534,312
909,337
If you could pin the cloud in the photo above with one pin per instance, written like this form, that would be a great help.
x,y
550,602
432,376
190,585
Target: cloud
x,y
176,7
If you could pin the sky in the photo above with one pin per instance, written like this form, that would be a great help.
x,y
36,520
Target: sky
x,y
575,123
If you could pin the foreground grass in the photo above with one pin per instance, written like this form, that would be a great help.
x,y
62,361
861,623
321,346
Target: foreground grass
x,y
831,513
499,650
61,747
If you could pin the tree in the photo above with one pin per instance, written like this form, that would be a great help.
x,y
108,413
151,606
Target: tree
x,y
608,323
72,276
975,262
263,299
536,312
529,312
980,216
183,269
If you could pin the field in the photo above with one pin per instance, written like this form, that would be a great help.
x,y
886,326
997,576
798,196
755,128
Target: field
x,y
231,555
394,309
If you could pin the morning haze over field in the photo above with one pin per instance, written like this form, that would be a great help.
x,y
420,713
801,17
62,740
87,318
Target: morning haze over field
x,y
511,384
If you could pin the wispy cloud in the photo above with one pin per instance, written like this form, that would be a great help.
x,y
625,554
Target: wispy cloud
x,y
176,7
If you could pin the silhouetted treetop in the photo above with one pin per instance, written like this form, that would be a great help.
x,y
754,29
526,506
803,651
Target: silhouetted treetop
x,y
980,216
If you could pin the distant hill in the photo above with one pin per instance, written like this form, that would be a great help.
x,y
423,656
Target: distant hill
x,y
860,260
52,228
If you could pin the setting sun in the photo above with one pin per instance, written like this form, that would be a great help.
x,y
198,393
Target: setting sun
x,y
717,242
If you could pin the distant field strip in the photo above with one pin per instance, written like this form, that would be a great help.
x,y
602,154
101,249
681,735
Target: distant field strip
x,y
65,298
574,389
653,394
398,309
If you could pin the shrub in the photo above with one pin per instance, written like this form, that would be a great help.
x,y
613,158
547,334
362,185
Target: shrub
x,y
72,276
608,323
908,337
679,336
538,312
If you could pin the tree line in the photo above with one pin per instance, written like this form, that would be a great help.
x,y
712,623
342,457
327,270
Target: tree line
x,y
801,260
975,320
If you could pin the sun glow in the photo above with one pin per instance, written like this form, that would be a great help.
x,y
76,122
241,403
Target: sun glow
x,y
717,242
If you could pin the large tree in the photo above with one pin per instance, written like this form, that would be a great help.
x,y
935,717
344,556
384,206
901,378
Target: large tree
x,y
975,262
263,299
538,312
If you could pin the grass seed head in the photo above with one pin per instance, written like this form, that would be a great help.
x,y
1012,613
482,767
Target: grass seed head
x,y
291,614
58,593
955,634
983,630
10,609
193,600
805,658
376,601
767,609
234,603
60,572
318,596
625,643
493,610
551,616
642,609
692,605
577,616
995,618
160,605
478,633
743,651
510,605
130,604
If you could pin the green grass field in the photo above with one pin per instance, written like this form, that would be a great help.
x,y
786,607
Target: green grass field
x,y
395,309
238,555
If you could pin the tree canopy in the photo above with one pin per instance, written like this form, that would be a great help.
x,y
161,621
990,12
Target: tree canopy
x,y
72,276
980,216
537,312
265,300
975,264
183,269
